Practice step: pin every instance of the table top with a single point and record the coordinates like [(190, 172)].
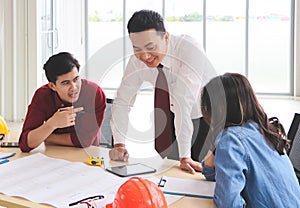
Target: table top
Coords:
[(169, 168)]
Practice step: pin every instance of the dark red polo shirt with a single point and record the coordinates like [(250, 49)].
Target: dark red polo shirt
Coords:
[(46, 102)]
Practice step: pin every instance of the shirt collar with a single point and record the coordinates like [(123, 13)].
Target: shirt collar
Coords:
[(166, 62), (167, 59), (59, 103)]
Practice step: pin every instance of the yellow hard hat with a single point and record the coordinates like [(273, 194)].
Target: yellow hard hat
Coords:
[(3, 127)]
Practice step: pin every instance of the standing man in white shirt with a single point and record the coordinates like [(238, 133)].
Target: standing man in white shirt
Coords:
[(187, 70)]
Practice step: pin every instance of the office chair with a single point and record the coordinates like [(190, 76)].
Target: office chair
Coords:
[(294, 137), (106, 138), (200, 142)]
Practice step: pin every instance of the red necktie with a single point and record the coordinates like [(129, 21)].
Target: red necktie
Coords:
[(162, 115)]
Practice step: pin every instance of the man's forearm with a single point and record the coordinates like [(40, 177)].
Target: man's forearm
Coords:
[(37, 136), (61, 139)]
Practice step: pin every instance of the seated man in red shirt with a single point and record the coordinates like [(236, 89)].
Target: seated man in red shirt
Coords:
[(66, 111)]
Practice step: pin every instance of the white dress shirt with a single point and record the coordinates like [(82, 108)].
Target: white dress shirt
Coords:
[(187, 70)]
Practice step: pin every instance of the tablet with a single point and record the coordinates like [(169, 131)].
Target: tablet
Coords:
[(131, 169), (9, 144)]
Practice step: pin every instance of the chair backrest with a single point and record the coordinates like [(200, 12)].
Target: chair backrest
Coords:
[(294, 128), (294, 136), (106, 138)]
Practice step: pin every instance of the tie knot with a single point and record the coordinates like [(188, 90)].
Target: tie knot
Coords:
[(160, 66)]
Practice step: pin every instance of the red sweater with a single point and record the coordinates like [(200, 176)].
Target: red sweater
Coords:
[(46, 102)]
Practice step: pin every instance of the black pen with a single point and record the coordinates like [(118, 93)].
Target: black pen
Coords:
[(91, 197), (79, 112)]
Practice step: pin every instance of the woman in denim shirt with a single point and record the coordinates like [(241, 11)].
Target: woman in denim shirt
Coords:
[(250, 164)]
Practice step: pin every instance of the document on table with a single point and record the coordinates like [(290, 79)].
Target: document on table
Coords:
[(187, 187), (57, 182)]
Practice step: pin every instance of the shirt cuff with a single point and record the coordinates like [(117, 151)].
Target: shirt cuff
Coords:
[(184, 150), (118, 138), (208, 172)]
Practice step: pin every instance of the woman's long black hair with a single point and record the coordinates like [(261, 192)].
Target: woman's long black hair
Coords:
[(229, 100)]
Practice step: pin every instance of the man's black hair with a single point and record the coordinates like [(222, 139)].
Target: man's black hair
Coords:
[(59, 64), (144, 20)]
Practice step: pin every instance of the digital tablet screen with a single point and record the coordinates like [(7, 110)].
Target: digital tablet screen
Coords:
[(131, 169)]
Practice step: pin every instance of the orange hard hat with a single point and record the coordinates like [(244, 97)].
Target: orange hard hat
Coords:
[(139, 193)]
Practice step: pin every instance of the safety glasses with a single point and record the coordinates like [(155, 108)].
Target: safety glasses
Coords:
[(89, 201)]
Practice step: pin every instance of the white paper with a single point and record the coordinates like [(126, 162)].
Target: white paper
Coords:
[(169, 198), (57, 182), (188, 187)]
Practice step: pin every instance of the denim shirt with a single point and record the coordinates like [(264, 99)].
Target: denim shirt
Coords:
[(250, 173)]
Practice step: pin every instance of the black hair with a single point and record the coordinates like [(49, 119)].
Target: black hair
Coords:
[(144, 20), (229, 100), (59, 64)]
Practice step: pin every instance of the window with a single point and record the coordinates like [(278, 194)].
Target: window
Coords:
[(48, 33), (185, 17), (62, 29), (109, 47), (270, 51), (226, 35), (105, 37), (249, 37)]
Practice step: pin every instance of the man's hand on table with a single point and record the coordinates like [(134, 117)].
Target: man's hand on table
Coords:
[(118, 153), (190, 165)]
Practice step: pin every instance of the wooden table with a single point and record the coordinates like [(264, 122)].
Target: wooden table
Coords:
[(165, 167)]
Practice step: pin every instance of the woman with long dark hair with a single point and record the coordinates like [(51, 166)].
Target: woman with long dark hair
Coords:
[(248, 161)]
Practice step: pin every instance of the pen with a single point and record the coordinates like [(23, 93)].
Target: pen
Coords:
[(187, 194), (8, 155), (92, 198), (78, 112), (61, 110), (3, 161)]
